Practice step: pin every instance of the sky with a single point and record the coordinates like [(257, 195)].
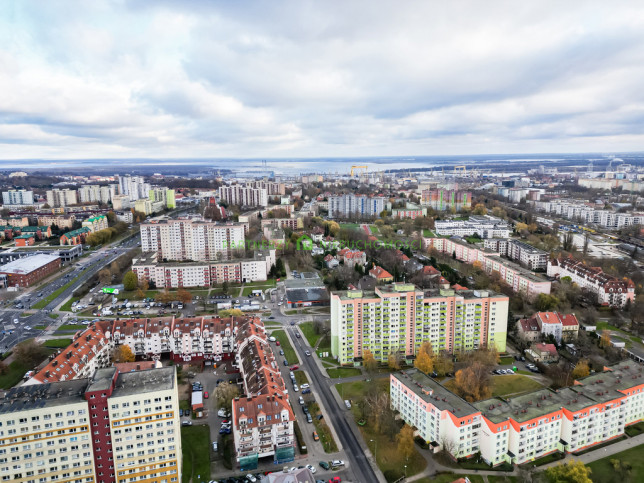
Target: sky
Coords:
[(235, 78)]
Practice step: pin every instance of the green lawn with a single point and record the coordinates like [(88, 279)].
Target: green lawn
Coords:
[(40, 327), (285, 345), (57, 343), (300, 377), (258, 286), (14, 375), (308, 329), (506, 360), (602, 325), (428, 233), (604, 472), (43, 303), (195, 445), (635, 429), (509, 384), (389, 460), (449, 477), (324, 433), (502, 479), (350, 226), (201, 292), (340, 372), (71, 327), (67, 306)]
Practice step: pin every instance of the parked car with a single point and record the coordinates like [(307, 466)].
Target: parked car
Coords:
[(306, 391), (337, 463), (324, 465), (311, 467), (308, 353), (295, 368), (215, 447), (186, 423), (347, 403), (315, 438), (180, 412), (305, 386), (301, 401)]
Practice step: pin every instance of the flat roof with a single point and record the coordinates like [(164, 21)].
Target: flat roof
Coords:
[(28, 264), (151, 380), (433, 392), (37, 396)]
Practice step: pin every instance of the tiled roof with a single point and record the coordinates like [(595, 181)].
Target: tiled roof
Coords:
[(380, 272)]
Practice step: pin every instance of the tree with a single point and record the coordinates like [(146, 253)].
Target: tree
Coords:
[(224, 287), (582, 369), (406, 441), (115, 268), (224, 395), (572, 472), (605, 339), (423, 362), (369, 361), (392, 361), (30, 353), (443, 363), (123, 353), (164, 297), (479, 209), (473, 382), (130, 281), (105, 276), (184, 296)]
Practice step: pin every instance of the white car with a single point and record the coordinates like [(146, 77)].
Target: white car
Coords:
[(272, 339), (295, 388), (337, 463), (305, 386), (251, 478), (311, 468)]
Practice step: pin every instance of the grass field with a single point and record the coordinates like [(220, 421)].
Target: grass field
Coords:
[(326, 438), (258, 286), (509, 384), (57, 343), (502, 479), (428, 233), (285, 345), (202, 292), (449, 477), (67, 306), (635, 429), (350, 226), (71, 327), (308, 329), (195, 443), (603, 470), (389, 459), (40, 327), (339, 372), (15, 372), (506, 360), (300, 377)]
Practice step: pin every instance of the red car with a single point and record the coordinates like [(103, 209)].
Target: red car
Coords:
[(335, 479), (295, 368), (205, 394), (277, 342)]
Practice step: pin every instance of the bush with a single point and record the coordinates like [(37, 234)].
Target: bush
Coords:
[(298, 436)]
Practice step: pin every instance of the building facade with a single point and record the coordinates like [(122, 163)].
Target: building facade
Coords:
[(134, 187), (190, 240), (527, 255), (61, 198), (24, 272), (243, 195), (518, 429), (609, 290), (109, 428), (517, 277), (350, 205), (441, 199), (398, 318), (485, 226), (17, 198)]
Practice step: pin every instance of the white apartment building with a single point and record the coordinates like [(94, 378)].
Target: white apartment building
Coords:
[(485, 226), (18, 198), (398, 318), (94, 193), (109, 428), (61, 198), (520, 279), (190, 240), (577, 211), (518, 429), (202, 274), (527, 255), (609, 290), (134, 187), (273, 188), (349, 205), (243, 195), (121, 202)]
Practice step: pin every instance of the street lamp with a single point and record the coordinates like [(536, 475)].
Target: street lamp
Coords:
[(376, 449), (405, 471)]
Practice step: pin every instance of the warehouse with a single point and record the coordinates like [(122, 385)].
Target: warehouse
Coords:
[(24, 272)]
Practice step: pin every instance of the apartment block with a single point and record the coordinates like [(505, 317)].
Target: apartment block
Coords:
[(516, 430), (520, 279), (96, 223), (410, 210), (350, 205), (291, 223), (610, 291), (484, 226), (95, 193), (62, 221), (263, 418), (272, 188), (110, 428), (527, 255), (588, 215), (398, 318), (121, 202), (243, 195), (61, 198), (195, 240), (17, 198), (441, 199), (164, 195), (202, 274), (134, 187)]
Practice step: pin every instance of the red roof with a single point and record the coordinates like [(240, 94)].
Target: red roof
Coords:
[(546, 348), (380, 273), (429, 270), (569, 320)]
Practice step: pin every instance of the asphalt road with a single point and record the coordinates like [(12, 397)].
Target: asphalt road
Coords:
[(10, 319), (358, 463)]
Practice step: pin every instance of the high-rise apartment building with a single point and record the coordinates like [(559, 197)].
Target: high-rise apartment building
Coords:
[(109, 428), (57, 198), (349, 205), (95, 194), (134, 186), (18, 198), (163, 194), (183, 239), (243, 195), (398, 318), (272, 188)]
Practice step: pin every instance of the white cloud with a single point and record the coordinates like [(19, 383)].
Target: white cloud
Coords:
[(196, 78)]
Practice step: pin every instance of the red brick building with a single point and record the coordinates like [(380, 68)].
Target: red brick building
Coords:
[(24, 272)]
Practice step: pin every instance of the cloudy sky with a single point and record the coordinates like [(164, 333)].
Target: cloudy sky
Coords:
[(190, 78)]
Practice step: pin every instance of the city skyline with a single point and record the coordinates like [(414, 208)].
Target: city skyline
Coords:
[(215, 79)]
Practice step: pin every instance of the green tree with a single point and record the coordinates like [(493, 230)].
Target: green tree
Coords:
[(130, 281), (572, 472)]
